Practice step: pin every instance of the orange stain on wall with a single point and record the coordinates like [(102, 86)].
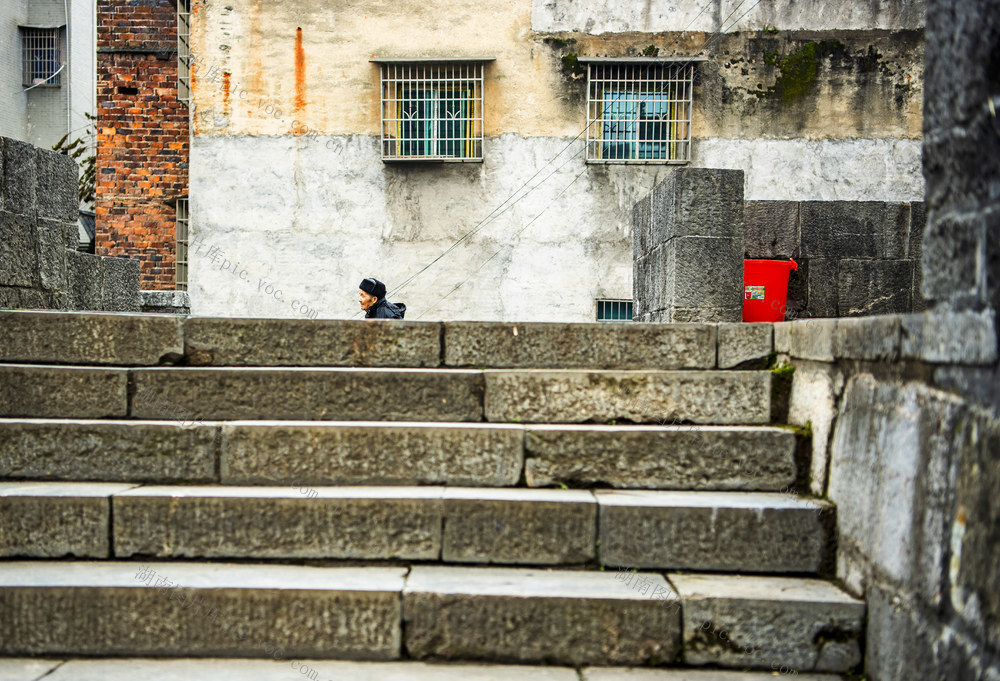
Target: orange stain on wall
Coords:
[(225, 92), (300, 73)]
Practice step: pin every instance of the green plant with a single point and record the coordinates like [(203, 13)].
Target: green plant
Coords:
[(75, 150)]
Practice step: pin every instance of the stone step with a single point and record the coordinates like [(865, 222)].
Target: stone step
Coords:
[(726, 531), (216, 669), (432, 613), (402, 453), (148, 340), (326, 394)]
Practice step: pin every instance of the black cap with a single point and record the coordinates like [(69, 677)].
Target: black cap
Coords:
[(373, 287)]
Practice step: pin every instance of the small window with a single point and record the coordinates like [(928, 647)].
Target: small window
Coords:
[(432, 111), (614, 310), (181, 252), (639, 112), (40, 47), (184, 51)]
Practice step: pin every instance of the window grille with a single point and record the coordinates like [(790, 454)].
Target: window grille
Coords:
[(41, 56), (181, 252), (432, 111), (614, 310), (184, 50), (639, 112)]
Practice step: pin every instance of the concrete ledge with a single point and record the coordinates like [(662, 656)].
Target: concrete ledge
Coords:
[(305, 342), (53, 519), (668, 457), (742, 343), (62, 392), (557, 617), (579, 346), (120, 451), (89, 338), (310, 394), (724, 531), (736, 621), (717, 397), (163, 609)]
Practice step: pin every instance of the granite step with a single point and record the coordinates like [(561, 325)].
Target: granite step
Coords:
[(90, 338), (216, 669), (726, 531), (501, 615), (312, 453), (330, 394)]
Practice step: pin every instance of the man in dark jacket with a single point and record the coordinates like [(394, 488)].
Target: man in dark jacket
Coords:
[(373, 302)]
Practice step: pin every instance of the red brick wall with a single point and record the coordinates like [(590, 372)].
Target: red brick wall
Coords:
[(142, 136)]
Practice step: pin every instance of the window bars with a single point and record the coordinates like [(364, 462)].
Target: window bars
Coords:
[(614, 310), (639, 112), (184, 51), (41, 56), (432, 111), (181, 252)]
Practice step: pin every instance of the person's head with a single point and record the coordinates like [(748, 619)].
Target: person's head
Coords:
[(370, 292)]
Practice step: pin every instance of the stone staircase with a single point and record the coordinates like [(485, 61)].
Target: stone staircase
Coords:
[(406, 500)]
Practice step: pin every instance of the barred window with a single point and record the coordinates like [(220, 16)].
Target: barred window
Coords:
[(40, 47), (639, 111), (181, 252), (610, 310), (432, 111), (184, 50)]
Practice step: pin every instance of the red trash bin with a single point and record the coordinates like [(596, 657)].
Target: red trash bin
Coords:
[(765, 289)]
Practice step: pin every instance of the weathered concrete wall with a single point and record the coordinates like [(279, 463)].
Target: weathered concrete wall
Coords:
[(40, 268), (806, 114)]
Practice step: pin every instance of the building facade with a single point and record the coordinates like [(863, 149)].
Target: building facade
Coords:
[(484, 160)]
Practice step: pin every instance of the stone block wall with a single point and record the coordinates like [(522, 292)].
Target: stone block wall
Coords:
[(40, 267), (142, 134), (855, 257)]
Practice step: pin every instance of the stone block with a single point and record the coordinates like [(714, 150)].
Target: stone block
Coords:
[(519, 526), (57, 186), (704, 202), (854, 229), (707, 274), (371, 454), (814, 339), (777, 623), (19, 177), (62, 392), (125, 451), (169, 302), (892, 476), (9, 298), (783, 337), (51, 254), (18, 256), (579, 346), (743, 343), (950, 256), (942, 336), (813, 402), (668, 457), (359, 523), (871, 287), (771, 230), (797, 299), (639, 396), (120, 292), (871, 338), (823, 280), (559, 617), (56, 519), (305, 342), (307, 393), (84, 280), (205, 610), (71, 234), (85, 338), (641, 227), (717, 531), (918, 223), (27, 669), (640, 674)]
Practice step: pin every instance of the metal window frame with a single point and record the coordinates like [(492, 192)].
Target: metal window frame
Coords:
[(182, 224), (666, 83), (613, 304), (439, 77), (184, 51), (31, 45)]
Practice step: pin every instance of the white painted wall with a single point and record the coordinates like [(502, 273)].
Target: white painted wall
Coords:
[(312, 217), (13, 102)]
